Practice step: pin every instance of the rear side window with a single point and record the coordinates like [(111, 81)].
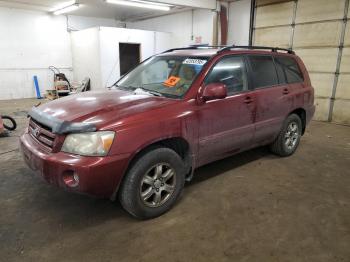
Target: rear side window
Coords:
[(291, 69), (280, 73), (231, 72), (263, 71)]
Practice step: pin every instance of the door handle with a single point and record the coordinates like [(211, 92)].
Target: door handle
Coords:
[(248, 100), (285, 91)]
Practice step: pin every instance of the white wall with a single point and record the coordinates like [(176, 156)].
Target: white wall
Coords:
[(239, 20), (86, 57), (31, 41), (109, 44), (180, 25), (96, 51)]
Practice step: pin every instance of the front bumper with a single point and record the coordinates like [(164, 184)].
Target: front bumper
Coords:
[(98, 176)]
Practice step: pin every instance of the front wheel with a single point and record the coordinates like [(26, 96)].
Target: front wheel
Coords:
[(153, 183), (289, 137)]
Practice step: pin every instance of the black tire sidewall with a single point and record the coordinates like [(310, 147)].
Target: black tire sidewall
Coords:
[(14, 124), (130, 191)]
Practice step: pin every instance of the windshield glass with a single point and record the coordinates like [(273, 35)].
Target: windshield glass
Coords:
[(169, 76)]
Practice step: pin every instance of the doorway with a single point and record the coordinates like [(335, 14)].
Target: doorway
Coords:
[(129, 56)]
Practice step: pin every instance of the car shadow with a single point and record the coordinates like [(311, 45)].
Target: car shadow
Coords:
[(230, 163)]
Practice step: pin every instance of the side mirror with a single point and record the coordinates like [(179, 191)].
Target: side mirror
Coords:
[(214, 91)]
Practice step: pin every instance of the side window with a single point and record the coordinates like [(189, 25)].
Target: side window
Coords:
[(280, 73), (231, 72), (263, 71), (291, 69)]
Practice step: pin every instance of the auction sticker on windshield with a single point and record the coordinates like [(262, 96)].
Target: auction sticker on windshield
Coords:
[(193, 61), (172, 81)]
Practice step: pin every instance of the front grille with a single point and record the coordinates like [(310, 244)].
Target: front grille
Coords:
[(41, 134)]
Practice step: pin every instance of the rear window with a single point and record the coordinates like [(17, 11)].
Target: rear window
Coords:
[(263, 71), (290, 69)]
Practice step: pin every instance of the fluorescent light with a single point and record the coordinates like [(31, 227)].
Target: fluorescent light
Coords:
[(67, 9), (142, 4)]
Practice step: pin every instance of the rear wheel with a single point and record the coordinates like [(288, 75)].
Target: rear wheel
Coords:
[(153, 183), (289, 137)]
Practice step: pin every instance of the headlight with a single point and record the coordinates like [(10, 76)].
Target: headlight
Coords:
[(89, 144)]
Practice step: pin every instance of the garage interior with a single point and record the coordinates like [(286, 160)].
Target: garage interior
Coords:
[(253, 206)]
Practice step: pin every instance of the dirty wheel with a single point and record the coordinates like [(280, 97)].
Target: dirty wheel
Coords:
[(289, 137)]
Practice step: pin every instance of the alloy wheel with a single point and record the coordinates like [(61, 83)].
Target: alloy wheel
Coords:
[(292, 135), (157, 185)]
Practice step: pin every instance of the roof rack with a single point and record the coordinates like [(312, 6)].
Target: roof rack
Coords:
[(226, 48), (273, 49), (193, 47)]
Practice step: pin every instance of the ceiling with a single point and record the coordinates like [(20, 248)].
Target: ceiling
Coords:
[(92, 8)]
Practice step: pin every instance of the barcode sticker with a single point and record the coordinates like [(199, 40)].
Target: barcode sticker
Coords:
[(192, 61)]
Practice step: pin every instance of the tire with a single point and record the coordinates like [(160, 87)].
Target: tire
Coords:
[(13, 125), (153, 183), (282, 146)]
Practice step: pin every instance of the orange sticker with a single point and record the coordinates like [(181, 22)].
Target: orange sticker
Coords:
[(172, 81)]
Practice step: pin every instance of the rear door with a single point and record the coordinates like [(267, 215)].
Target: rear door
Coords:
[(273, 100), (289, 72), (227, 125)]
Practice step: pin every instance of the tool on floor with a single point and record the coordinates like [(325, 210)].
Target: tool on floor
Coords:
[(62, 86)]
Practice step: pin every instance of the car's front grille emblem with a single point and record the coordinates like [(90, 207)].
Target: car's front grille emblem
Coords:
[(36, 132)]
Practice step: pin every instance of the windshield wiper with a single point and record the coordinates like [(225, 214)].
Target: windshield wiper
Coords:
[(155, 93), (133, 88)]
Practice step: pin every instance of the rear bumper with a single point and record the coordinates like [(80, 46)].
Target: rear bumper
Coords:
[(310, 113), (98, 176)]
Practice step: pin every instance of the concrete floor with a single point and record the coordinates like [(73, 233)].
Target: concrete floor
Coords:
[(250, 207)]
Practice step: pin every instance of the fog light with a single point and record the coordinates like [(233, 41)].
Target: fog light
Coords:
[(71, 178)]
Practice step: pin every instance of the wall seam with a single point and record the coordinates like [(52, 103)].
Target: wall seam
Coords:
[(291, 43), (340, 53)]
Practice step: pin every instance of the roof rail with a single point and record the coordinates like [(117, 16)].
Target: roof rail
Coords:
[(273, 49), (226, 48), (193, 47)]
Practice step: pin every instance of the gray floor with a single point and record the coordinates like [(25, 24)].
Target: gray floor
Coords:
[(250, 207)]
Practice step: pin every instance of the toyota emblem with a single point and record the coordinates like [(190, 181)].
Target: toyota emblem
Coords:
[(36, 132)]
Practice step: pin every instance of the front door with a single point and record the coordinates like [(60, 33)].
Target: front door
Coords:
[(226, 126)]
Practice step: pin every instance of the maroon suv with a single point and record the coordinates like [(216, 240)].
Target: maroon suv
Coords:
[(141, 140)]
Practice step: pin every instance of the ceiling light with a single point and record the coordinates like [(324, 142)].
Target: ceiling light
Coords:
[(66, 9), (142, 4)]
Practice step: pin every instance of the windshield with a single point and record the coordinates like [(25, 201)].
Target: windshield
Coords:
[(169, 76)]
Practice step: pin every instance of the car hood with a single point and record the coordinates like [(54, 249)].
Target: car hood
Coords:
[(100, 108)]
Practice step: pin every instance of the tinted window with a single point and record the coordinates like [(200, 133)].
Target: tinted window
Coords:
[(280, 73), (263, 71), (230, 71), (291, 69)]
